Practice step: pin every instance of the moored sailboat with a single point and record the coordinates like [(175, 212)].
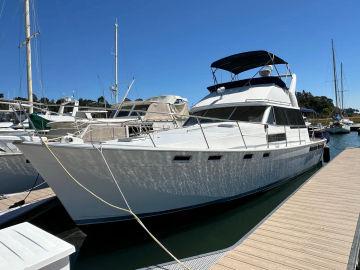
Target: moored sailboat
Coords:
[(338, 126)]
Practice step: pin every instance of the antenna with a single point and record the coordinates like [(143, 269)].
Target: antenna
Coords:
[(334, 71)]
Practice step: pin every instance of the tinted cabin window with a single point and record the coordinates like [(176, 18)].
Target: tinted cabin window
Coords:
[(221, 113), (243, 113), (271, 117), (192, 120), (280, 116), (249, 113), (295, 118), (288, 117)]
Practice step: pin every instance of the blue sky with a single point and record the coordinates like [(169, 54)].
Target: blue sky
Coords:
[(168, 46)]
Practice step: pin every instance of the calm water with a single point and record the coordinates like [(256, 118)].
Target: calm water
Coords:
[(126, 247)]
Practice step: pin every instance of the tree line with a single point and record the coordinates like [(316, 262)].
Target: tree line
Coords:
[(322, 105)]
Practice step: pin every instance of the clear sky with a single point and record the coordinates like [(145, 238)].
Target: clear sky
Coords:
[(168, 46)]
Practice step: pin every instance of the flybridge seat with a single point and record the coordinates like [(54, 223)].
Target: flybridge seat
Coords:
[(249, 82)]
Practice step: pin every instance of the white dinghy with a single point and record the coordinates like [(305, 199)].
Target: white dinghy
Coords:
[(244, 137)]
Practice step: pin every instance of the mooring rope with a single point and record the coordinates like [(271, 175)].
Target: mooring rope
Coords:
[(112, 205)]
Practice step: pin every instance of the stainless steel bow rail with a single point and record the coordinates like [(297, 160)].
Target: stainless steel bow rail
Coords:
[(83, 128)]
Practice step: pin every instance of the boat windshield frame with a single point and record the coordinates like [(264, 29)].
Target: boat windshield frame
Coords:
[(232, 111)]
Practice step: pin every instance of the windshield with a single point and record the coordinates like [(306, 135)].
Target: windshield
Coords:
[(124, 111), (253, 114), (141, 110)]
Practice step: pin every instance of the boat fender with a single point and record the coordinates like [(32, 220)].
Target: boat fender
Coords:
[(71, 139), (326, 154)]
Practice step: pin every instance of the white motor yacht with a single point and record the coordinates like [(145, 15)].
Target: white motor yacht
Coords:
[(245, 136)]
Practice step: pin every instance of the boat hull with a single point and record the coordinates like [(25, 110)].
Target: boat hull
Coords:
[(154, 183), (339, 129), (17, 174)]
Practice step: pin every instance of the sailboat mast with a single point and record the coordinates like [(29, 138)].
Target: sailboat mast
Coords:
[(342, 86), (28, 54), (116, 86), (334, 70)]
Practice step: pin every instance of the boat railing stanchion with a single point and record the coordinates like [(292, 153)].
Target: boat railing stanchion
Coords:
[(242, 136), (202, 131), (146, 130), (286, 140), (299, 135), (267, 134)]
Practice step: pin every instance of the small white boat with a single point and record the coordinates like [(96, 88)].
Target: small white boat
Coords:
[(40, 120), (338, 127), (17, 173), (127, 119), (244, 137)]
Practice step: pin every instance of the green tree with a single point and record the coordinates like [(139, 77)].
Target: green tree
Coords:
[(322, 105)]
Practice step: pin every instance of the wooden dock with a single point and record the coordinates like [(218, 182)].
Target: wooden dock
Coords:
[(8, 209), (317, 227)]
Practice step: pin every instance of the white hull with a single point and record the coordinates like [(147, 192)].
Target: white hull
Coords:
[(339, 129), (16, 173), (154, 183)]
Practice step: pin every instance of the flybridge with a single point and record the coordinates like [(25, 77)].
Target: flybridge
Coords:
[(241, 62)]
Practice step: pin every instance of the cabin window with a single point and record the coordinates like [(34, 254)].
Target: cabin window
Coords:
[(182, 158), (248, 156), (276, 137), (295, 117), (280, 116), (179, 101), (143, 108), (271, 117), (192, 120), (124, 111), (249, 113), (221, 113), (216, 157), (288, 117), (242, 113)]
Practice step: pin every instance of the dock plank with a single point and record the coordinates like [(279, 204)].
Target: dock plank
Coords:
[(34, 196), (314, 229)]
